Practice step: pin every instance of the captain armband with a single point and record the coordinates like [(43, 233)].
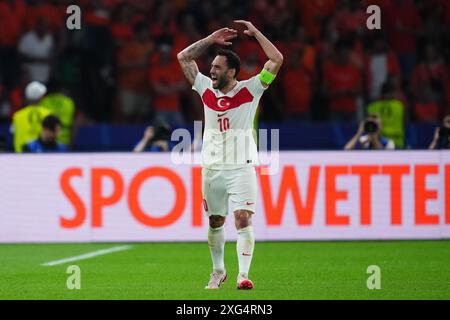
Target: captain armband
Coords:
[(266, 77)]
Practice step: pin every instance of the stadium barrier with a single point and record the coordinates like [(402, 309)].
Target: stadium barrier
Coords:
[(144, 197)]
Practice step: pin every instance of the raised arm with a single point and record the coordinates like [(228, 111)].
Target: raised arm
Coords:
[(187, 56), (275, 61)]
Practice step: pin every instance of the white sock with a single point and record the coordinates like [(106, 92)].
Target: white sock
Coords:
[(216, 242), (245, 246)]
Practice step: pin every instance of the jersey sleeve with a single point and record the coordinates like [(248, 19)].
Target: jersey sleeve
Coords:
[(201, 83), (255, 86)]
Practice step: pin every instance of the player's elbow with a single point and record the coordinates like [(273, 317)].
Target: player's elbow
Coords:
[(279, 59), (180, 56)]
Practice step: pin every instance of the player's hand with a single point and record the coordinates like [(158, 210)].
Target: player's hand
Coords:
[(360, 128), (251, 29), (149, 133), (223, 36)]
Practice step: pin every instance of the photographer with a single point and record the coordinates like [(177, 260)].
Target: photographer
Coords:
[(441, 138), (155, 139), (48, 137), (368, 136)]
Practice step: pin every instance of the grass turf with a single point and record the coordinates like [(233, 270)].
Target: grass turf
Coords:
[(280, 270)]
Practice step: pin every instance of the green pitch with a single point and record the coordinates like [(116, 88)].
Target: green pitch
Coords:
[(280, 270)]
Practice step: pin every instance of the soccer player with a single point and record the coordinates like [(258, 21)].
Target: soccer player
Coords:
[(229, 151)]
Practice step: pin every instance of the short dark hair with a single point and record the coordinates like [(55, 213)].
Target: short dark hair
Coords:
[(233, 60), (51, 122)]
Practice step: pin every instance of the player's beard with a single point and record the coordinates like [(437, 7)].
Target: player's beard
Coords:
[(221, 82)]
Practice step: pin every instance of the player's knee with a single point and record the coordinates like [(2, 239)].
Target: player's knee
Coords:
[(243, 218), (216, 221)]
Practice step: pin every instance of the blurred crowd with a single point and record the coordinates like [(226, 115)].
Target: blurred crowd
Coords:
[(121, 67)]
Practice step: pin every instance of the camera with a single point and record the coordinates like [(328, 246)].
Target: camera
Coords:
[(162, 132), (3, 144), (370, 126), (444, 132)]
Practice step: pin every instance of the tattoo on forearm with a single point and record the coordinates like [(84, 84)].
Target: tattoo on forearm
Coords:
[(189, 54), (190, 70), (196, 49)]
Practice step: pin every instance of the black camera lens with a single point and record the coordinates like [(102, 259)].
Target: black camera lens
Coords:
[(370, 127), (444, 131)]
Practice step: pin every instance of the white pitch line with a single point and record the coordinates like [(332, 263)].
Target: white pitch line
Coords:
[(86, 256)]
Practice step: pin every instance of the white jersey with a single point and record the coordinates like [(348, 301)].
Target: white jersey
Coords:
[(228, 140)]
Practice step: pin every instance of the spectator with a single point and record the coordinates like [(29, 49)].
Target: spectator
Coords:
[(47, 140), (186, 33), (60, 104), (36, 51), (380, 64), (441, 139), (154, 139), (167, 83), (308, 52), (392, 114), (121, 29), (350, 18), (250, 66), (314, 13), (404, 23), (133, 63), (27, 122), (368, 136), (426, 107), (297, 87), (399, 94), (42, 8), (342, 85), (12, 13), (431, 73), (97, 57)]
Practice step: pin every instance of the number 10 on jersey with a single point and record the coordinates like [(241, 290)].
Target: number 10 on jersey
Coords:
[(224, 124)]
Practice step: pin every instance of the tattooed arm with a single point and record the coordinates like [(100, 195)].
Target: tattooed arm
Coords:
[(187, 56)]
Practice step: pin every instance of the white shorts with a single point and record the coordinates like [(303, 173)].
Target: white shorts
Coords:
[(237, 185)]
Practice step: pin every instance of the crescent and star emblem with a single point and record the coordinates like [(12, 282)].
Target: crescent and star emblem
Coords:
[(223, 103)]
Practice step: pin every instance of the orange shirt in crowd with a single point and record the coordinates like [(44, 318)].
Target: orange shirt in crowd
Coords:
[(342, 78), (308, 58), (426, 74), (349, 22), (427, 111), (312, 11), (180, 41), (135, 79), (297, 85), (11, 21), (405, 16), (168, 74)]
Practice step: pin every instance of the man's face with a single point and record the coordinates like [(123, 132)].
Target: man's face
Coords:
[(220, 73), (50, 136)]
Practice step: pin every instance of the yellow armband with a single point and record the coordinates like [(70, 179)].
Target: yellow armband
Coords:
[(266, 77)]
